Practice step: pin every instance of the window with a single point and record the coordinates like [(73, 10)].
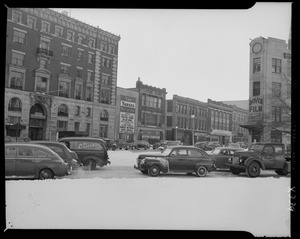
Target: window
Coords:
[(65, 69), (19, 36), (276, 113), (89, 76), (44, 44), (256, 88), (78, 91), (77, 126), (150, 119), (278, 149), (80, 55), (58, 31), (151, 101), (70, 35), (77, 110), (103, 130), (104, 115), (194, 153), (104, 96), (103, 46), (17, 17), (10, 152), (57, 150), (276, 89), (16, 80), (92, 42), (80, 39), (41, 84), (62, 125), (179, 152), (106, 62), (256, 64), (268, 149), (17, 59), (15, 104), (41, 153), (89, 91), (79, 73), (25, 152), (90, 58), (276, 136), (111, 49), (63, 110), (66, 51), (31, 22), (276, 65), (88, 112), (288, 68), (105, 80), (88, 128), (64, 88), (45, 27)]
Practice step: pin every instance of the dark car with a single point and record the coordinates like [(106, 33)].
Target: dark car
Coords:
[(175, 159), (27, 160), (69, 156), (120, 144), (91, 151), (220, 156), (139, 144)]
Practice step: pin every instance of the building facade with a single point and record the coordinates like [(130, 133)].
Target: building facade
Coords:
[(151, 112), (127, 114), (220, 121), (239, 117), (186, 120), (270, 91), (60, 75)]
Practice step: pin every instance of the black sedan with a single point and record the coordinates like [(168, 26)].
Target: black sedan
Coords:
[(220, 156), (69, 156)]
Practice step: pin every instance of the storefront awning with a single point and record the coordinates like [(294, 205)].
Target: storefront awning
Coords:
[(252, 126), (16, 126)]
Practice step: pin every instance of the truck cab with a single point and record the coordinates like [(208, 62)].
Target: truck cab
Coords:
[(266, 156)]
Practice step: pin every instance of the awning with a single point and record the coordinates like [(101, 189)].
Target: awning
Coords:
[(252, 126), (16, 126)]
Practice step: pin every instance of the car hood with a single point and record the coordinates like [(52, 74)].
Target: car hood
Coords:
[(151, 154), (245, 153)]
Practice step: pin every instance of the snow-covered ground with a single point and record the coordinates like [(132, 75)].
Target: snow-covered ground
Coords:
[(260, 206)]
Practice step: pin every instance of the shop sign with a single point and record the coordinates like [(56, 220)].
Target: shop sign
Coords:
[(255, 105), (126, 123)]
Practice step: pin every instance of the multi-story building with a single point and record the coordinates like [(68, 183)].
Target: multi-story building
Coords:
[(186, 120), (127, 114), (270, 91), (60, 75), (220, 121), (151, 112), (239, 117)]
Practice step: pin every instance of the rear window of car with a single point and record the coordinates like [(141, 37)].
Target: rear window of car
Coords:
[(56, 149), (25, 152), (85, 145), (42, 153)]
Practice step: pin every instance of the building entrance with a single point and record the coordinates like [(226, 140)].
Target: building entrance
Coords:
[(37, 123)]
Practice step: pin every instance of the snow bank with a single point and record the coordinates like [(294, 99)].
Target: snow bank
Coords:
[(259, 206)]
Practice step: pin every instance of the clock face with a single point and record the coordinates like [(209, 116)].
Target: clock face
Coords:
[(256, 48)]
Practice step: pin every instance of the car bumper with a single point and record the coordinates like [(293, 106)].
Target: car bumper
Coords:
[(235, 166)]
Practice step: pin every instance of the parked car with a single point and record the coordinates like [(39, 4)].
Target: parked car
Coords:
[(265, 156), (26, 160), (109, 143), (220, 156), (69, 156), (175, 159), (202, 145), (120, 144), (91, 151)]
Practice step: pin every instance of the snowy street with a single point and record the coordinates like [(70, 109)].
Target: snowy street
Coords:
[(126, 199)]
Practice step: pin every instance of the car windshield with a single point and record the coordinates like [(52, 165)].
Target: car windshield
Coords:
[(215, 151), (256, 147), (166, 151)]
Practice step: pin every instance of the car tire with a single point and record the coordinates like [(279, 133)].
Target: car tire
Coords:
[(253, 170), (154, 171), (201, 171), (90, 164), (235, 171), (46, 173)]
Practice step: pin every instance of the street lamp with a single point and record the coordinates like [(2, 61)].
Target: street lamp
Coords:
[(176, 132), (193, 117)]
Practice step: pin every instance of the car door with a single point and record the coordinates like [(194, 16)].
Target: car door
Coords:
[(177, 160), (268, 156), (10, 160), (223, 157), (194, 157), (25, 163)]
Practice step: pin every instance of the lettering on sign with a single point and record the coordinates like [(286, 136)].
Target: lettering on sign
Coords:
[(127, 104), (256, 105)]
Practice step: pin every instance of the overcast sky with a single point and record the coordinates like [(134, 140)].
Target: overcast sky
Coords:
[(198, 54)]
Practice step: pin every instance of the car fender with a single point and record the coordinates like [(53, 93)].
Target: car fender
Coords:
[(208, 165), (161, 162), (96, 159), (249, 160)]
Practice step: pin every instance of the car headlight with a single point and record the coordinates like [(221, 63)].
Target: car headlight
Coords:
[(230, 160), (240, 160), (142, 161)]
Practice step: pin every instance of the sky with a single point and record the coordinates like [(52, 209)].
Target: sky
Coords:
[(196, 53)]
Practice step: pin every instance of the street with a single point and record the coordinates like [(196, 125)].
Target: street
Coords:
[(122, 162)]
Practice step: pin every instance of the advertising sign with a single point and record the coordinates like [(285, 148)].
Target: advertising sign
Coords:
[(127, 114)]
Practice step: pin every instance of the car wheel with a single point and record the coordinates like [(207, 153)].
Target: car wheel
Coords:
[(235, 171), (154, 170), (91, 164), (201, 171), (46, 173), (253, 170)]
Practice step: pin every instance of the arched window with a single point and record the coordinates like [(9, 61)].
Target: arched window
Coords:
[(37, 108), (104, 115), (63, 110), (15, 104)]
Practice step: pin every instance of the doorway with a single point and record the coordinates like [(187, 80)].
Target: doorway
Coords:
[(37, 123)]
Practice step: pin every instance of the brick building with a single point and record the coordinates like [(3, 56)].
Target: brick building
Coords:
[(60, 75), (186, 119), (151, 112)]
